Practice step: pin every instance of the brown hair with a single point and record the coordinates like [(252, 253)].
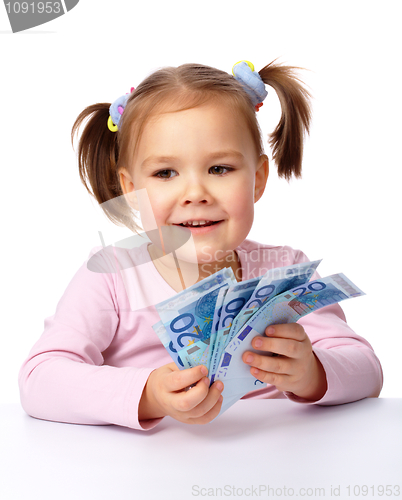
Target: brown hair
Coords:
[(101, 153)]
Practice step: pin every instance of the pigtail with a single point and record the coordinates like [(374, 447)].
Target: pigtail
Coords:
[(98, 155), (287, 139)]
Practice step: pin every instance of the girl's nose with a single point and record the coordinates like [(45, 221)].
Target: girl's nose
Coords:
[(196, 192)]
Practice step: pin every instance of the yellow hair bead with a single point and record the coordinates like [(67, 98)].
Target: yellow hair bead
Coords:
[(111, 126), (250, 65)]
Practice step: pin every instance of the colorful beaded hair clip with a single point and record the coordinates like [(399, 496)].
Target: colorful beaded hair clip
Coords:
[(116, 110)]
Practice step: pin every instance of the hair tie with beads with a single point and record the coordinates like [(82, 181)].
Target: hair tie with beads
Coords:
[(116, 110), (250, 80)]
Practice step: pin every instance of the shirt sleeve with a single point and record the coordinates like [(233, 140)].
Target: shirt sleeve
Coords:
[(352, 369), (64, 378)]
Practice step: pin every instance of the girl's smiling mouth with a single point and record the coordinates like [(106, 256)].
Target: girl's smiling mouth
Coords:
[(197, 228)]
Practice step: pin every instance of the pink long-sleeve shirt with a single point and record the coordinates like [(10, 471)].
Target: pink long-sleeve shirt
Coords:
[(91, 363)]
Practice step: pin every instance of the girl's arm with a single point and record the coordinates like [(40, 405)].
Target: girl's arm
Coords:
[(64, 377)]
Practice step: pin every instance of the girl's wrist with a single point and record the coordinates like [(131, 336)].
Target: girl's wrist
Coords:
[(149, 408), (317, 386)]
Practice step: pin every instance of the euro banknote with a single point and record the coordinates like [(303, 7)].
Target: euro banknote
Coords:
[(160, 330), (198, 352), (187, 317)]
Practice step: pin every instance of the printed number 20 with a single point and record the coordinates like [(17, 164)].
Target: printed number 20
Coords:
[(313, 287)]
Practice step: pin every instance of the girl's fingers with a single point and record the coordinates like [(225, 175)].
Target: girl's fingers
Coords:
[(279, 380), (282, 347), (209, 415), (178, 380), (185, 401), (286, 331), (288, 340), (276, 364), (209, 408), (199, 400)]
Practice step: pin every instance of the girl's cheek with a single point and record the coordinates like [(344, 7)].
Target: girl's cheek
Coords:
[(160, 208)]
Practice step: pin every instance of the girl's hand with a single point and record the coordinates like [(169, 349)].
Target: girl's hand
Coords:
[(164, 394), (296, 369)]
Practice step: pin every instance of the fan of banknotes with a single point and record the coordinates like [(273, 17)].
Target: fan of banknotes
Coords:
[(214, 321)]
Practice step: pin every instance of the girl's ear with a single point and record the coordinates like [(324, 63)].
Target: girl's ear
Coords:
[(261, 177), (127, 186)]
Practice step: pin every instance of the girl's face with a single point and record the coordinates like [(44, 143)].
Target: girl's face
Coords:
[(200, 165)]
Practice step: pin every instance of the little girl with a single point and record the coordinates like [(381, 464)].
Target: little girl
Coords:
[(188, 138)]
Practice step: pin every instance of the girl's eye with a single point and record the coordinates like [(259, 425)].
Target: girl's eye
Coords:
[(220, 167), (162, 174)]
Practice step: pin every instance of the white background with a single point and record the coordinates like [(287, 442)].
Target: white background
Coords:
[(346, 209)]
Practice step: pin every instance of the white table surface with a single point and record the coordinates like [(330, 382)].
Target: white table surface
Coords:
[(257, 449)]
